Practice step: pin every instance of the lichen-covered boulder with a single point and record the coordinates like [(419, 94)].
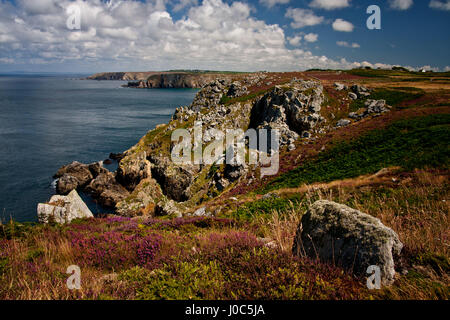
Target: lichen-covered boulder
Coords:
[(167, 207), (340, 235), (142, 200), (133, 168), (174, 179), (63, 209)]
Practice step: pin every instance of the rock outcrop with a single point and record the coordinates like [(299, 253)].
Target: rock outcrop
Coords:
[(371, 108), (106, 190), (132, 169), (165, 208), (147, 181), (337, 234), (340, 87), (72, 176), (294, 111), (176, 80), (63, 209), (360, 91), (142, 200), (174, 179)]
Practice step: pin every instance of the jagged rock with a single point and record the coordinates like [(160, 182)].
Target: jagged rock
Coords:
[(77, 170), (268, 243), (132, 169), (292, 111), (306, 134), (376, 106), (338, 234), (201, 213), (353, 115), (165, 208), (66, 183), (233, 172), (174, 179), (116, 156), (352, 96), (221, 184), (63, 209), (107, 190), (339, 86), (360, 91), (373, 108), (142, 200), (236, 90), (96, 168), (343, 123), (270, 195)]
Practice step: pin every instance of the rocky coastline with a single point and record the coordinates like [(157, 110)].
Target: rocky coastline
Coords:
[(360, 180), (166, 79), (147, 182)]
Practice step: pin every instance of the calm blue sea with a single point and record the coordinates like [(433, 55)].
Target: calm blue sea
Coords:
[(49, 121)]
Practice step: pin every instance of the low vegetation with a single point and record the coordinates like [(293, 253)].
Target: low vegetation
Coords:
[(411, 143)]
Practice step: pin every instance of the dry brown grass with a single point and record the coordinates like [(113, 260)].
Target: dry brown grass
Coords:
[(282, 228), (416, 206), (53, 257), (417, 209)]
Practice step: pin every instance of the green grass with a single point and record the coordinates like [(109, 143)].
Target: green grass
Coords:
[(382, 73), (413, 143), (265, 207)]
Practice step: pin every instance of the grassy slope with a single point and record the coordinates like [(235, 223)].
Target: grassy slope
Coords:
[(411, 143)]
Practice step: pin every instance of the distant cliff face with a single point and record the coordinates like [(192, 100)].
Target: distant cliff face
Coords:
[(127, 76), (177, 80), (161, 79)]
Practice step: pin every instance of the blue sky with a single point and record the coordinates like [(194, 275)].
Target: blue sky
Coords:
[(274, 35)]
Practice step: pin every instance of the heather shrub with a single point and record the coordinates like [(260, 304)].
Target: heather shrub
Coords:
[(182, 280), (114, 250), (188, 224), (252, 273), (147, 248)]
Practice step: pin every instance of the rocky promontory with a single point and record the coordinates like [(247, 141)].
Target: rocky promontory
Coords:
[(163, 79), (148, 182)]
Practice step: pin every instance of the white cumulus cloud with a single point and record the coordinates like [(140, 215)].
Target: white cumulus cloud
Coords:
[(329, 4), (401, 4), (347, 44), (183, 4), (342, 25), (295, 40), (121, 35), (311, 37), (271, 3), (303, 18), (440, 5)]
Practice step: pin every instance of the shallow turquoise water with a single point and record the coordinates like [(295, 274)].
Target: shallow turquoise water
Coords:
[(49, 121)]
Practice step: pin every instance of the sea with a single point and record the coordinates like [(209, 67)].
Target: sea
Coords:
[(50, 120)]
